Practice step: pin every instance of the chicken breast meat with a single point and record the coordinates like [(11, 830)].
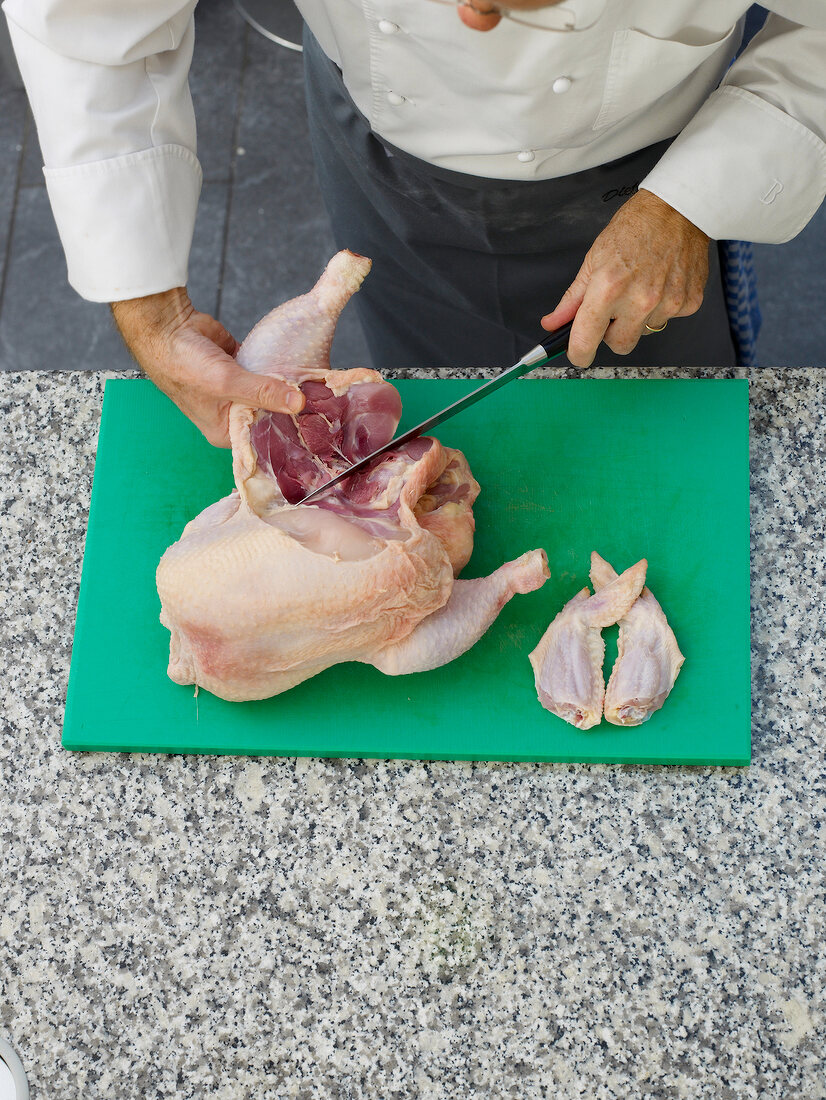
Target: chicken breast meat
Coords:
[(261, 593)]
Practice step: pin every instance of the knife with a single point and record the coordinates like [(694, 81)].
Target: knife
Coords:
[(556, 344)]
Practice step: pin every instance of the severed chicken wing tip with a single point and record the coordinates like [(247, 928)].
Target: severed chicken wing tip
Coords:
[(568, 660)]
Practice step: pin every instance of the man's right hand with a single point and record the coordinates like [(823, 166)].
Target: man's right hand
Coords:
[(190, 356)]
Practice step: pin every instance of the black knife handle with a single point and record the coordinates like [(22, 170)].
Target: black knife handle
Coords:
[(557, 341)]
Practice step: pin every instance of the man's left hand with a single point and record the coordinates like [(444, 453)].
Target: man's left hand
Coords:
[(648, 265)]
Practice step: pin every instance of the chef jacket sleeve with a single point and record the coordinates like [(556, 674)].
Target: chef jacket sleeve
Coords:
[(108, 87), (751, 164)]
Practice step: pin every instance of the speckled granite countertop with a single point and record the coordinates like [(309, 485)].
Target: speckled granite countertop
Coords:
[(189, 926)]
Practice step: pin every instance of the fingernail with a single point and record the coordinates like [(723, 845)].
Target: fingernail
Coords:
[(295, 402)]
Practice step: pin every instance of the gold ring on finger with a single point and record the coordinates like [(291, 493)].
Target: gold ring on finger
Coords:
[(650, 329)]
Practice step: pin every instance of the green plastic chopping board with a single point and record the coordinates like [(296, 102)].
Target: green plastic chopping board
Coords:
[(655, 469)]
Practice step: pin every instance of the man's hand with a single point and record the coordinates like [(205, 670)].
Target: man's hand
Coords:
[(648, 265), (189, 355)]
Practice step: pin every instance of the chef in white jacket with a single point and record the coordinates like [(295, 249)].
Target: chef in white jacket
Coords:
[(497, 116)]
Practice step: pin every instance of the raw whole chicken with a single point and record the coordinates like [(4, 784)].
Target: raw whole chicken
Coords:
[(260, 593)]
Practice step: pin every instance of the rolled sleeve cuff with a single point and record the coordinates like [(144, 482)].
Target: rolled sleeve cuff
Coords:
[(126, 223), (743, 170)]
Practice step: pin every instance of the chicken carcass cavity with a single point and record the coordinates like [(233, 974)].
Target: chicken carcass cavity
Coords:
[(261, 592)]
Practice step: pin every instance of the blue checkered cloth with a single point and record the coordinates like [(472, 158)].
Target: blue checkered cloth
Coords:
[(740, 289)]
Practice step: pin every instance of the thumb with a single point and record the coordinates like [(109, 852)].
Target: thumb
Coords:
[(568, 304), (262, 391)]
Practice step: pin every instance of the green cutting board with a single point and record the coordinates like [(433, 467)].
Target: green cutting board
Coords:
[(655, 469)]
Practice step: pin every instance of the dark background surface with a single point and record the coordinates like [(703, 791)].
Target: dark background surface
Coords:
[(262, 234)]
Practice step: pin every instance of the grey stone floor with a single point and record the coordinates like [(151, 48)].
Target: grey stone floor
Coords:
[(262, 233)]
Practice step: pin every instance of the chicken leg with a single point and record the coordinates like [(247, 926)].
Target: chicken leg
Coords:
[(470, 611)]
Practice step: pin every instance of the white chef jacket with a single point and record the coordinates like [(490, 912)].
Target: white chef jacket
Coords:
[(107, 82)]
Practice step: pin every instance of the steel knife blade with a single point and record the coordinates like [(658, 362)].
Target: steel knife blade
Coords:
[(555, 345)]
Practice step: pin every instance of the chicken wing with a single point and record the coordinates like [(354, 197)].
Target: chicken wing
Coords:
[(648, 657), (567, 663)]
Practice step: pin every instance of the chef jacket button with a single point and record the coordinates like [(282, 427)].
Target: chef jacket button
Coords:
[(526, 156), (394, 99), (561, 84), (386, 27)]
